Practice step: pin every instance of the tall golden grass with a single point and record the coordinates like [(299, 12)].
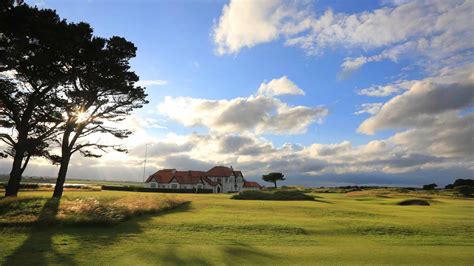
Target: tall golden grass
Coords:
[(82, 210)]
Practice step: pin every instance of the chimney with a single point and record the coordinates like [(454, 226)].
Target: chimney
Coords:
[(173, 171)]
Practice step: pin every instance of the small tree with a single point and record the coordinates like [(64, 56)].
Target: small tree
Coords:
[(273, 178), (430, 186)]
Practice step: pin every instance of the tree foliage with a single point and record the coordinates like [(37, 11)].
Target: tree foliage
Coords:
[(273, 178), (33, 65), (429, 186), (101, 93), (60, 85)]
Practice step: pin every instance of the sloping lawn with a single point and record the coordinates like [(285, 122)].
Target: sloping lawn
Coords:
[(215, 230)]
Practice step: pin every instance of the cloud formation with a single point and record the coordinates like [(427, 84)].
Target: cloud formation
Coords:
[(279, 86), (369, 108), (421, 105), (438, 31), (262, 113), (248, 23)]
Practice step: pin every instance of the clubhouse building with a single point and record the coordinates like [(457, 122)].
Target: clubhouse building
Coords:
[(220, 179)]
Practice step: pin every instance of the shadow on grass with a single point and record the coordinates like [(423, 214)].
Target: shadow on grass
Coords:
[(51, 243), (174, 256), (322, 201), (40, 241), (244, 254)]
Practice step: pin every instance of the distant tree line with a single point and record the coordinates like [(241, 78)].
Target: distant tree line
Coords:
[(60, 86), (464, 187)]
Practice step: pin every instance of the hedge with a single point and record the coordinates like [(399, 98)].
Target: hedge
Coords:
[(277, 195), (163, 190), (27, 185)]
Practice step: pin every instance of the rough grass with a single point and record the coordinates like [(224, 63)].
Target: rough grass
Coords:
[(80, 210), (273, 195)]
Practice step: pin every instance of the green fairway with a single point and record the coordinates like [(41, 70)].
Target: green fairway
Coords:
[(354, 228)]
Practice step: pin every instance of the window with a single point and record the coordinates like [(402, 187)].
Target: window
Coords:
[(199, 186), (175, 186), (153, 185), (226, 180)]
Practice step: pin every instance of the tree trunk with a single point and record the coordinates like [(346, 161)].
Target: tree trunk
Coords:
[(58, 189), (15, 174), (275, 182)]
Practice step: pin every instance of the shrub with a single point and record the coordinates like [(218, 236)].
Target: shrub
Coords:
[(276, 195), (24, 185), (465, 191), (430, 186), (163, 190)]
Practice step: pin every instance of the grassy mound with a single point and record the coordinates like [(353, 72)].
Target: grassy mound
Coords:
[(80, 211), (414, 202), (273, 195)]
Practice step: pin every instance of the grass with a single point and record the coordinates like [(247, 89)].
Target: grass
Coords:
[(80, 210), (273, 195), (346, 229)]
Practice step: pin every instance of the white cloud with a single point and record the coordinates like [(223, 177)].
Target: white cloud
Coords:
[(420, 105), (151, 82), (248, 23), (352, 64), (445, 75), (386, 90), (262, 113), (439, 31), (279, 86), (450, 135), (369, 108)]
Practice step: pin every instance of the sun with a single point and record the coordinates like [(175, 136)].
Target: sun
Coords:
[(81, 117)]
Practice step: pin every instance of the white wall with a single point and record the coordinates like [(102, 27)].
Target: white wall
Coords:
[(227, 185)]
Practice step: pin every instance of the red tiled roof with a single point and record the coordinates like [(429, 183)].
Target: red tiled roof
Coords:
[(252, 184), (182, 177), (220, 171), (193, 177)]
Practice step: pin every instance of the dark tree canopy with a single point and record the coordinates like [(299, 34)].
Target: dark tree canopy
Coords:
[(102, 91), (429, 186), (461, 182), (273, 178), (59, 85), (34, 64)]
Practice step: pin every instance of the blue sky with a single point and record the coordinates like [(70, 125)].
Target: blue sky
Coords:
[(203, 51), (175, 44)]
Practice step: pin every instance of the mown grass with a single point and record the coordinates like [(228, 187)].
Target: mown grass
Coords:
[(346, 229)]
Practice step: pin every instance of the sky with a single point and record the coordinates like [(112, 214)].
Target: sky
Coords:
[(327, 92)]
